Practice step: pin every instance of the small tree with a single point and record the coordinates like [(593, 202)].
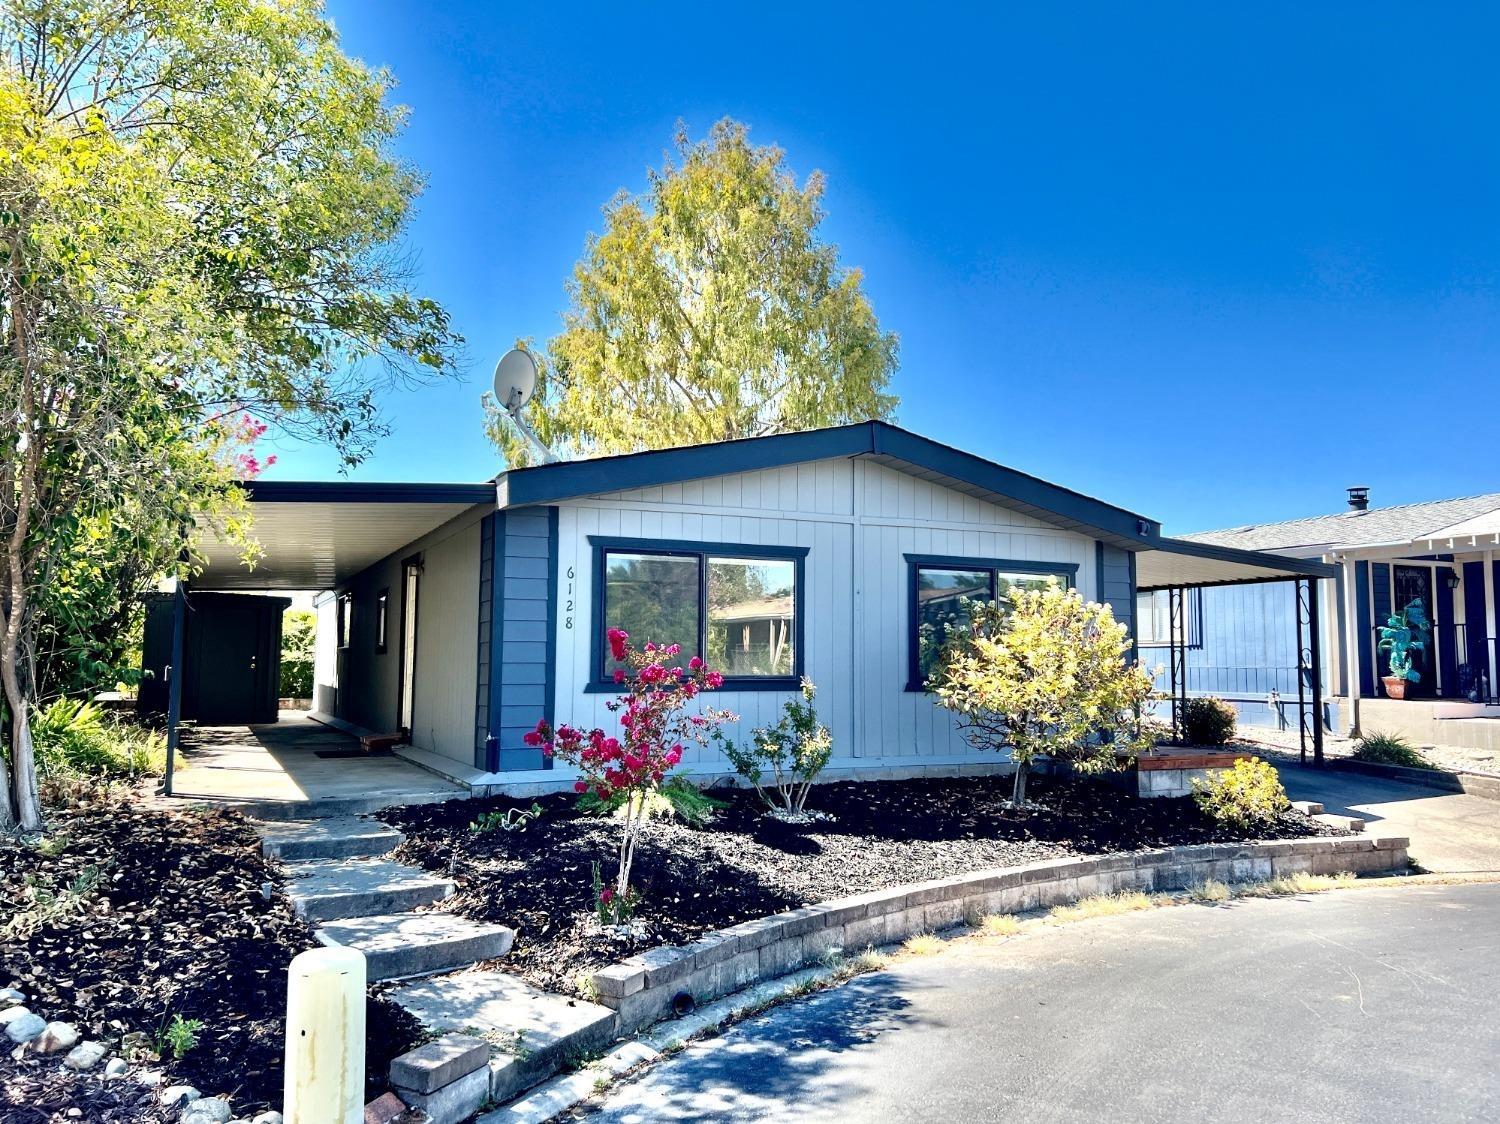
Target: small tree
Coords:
[(795, 750), (1044, 676), (631, 768)]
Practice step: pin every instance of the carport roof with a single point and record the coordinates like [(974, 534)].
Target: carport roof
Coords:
[(1166, 562), (316, 534)]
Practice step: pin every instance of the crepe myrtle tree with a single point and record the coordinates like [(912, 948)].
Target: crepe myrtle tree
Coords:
[(1045, 675), (626, 770)]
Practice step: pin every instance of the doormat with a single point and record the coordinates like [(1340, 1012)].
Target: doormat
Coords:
[(352, 753)]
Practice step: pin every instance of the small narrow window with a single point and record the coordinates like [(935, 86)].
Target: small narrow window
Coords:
[(382, 605), (1153, 618), (346, 618)]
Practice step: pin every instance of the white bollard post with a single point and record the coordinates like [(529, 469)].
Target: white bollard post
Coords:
[(325, 1037)]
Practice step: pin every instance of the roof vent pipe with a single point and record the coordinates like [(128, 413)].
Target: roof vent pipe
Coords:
[(1359, 498)]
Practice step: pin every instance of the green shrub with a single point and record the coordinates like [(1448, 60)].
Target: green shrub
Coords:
[(299, 630), (1208, 721), (75, 737), (794, 751), (1243, 796), (1389, 749)]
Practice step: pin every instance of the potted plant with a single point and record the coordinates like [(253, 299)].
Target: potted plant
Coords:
[(1402, 634)]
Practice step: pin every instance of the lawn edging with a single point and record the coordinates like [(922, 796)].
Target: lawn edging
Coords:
[(642, 989), (1485, 785)]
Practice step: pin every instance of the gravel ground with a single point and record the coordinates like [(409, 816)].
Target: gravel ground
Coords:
[(745, 865)]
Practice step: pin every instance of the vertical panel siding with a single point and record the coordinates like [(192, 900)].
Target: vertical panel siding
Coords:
[(525, 604), (857, 519), (447, 646)]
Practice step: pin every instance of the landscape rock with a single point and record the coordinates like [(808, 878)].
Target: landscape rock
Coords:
[(267, 1118), (207, 1110), (9, 997), (26, 1027), (179, 1094), (56, 1037), (149, 1078), (11, 1014), (86, 1055), (115, 1067)]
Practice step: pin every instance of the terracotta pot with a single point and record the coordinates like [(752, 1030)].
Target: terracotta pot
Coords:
[(1395, 686)]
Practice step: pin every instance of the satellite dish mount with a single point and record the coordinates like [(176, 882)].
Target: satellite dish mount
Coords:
[(515, 382)]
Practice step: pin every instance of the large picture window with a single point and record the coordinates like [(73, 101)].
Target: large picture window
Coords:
[(739, 607), (941, 591)]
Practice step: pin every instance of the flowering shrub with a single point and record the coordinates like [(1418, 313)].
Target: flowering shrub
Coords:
[(795, 750), (1243, 797), (628, 769)]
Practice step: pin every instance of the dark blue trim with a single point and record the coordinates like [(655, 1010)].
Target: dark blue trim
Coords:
[(351, 491), (601, 545), (1135, 624), (914, 562), (497, 640), (552, 483), (551, 672), (1099, 571)]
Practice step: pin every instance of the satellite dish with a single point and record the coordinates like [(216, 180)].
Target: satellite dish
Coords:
[(515, 379)]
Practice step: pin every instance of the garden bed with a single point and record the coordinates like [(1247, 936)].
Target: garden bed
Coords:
[(167, 919), (745, 865)]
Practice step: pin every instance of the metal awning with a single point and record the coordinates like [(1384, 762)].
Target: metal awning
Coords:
[(1179, 562), (315, 535)]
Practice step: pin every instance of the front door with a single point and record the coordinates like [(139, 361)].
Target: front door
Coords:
[(1408, 584), (229, 674)]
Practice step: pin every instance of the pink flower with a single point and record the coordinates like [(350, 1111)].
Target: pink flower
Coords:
[(673, 755), (580, 786), (606, 895), (619, 675), (532, 738), (695, 663), (714, 680), (617, 638)]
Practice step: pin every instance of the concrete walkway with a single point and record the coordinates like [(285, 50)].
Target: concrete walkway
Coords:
[(296, 760), (1450, 832), (1367, 1004)]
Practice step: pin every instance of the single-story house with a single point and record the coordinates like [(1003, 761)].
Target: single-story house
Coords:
[(460, 614), (1442, 555)]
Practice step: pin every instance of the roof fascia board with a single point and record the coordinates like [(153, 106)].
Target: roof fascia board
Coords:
[(553, 483), (1305, 567), (351, 491)]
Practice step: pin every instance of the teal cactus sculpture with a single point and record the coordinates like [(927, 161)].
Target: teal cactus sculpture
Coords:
[(1402, 634)]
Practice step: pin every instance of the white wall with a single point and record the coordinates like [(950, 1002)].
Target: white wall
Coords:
[(858, 519)]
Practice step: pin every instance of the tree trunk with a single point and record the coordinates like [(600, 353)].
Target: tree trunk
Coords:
[(28, 804), (7, 803), (1018, 793)]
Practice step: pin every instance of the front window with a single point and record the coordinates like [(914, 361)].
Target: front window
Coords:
[(1153, 617), (346, 619), (944, 589), (737, 607)]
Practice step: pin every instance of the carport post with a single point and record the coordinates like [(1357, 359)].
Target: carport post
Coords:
[(174, 680), (1315, 645)]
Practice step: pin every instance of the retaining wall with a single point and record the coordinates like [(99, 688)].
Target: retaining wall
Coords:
[(642, 988)]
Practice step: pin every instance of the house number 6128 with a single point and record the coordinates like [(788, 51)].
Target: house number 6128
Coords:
[(568, 601)]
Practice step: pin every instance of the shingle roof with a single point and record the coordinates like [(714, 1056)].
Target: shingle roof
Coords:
[(1399, 523)]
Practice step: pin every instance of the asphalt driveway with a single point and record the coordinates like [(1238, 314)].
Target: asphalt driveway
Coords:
[(1378, 1004), (1450, 832)]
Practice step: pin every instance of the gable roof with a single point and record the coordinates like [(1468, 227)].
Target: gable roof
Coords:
[(1400, 523), (880, 441)]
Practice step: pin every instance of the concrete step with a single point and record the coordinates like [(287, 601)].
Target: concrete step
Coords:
[(1343, 823), (397, 945), (329, 807), (345, 837), (532, 1033), (330, 889)]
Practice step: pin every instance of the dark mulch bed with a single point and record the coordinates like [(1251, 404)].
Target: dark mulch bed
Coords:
[(746, 865), (175, 924)]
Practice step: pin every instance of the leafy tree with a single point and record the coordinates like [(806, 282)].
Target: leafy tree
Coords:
[(709, 309), (197, 209), (1045, 676), (299, 640)]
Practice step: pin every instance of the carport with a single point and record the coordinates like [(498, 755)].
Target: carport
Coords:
[(1175, 566), (311, 536)]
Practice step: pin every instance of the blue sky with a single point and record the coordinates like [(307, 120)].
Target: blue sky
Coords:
[(1210, 263)]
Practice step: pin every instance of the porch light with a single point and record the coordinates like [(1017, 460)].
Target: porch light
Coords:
[(1451, 577)]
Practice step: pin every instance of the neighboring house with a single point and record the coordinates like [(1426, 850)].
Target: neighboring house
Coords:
[(1443, 554), (463, 613)]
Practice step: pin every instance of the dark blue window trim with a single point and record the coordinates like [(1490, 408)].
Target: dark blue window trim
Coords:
[(602, 545), (915, 562)]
